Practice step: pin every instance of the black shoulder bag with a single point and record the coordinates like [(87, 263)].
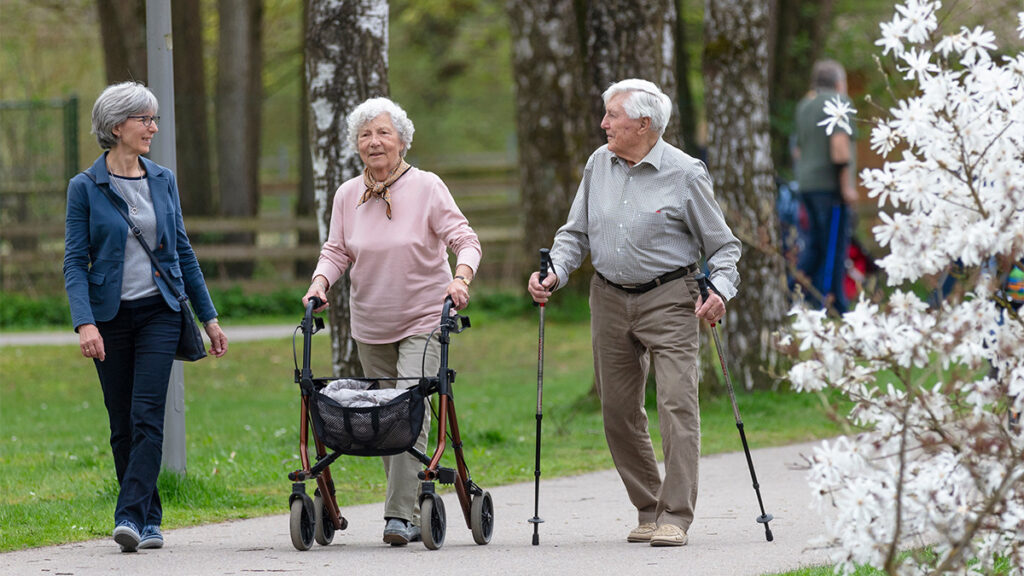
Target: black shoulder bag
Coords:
[(190, 343)]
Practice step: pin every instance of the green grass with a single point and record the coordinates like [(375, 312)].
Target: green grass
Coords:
[(58, 482)]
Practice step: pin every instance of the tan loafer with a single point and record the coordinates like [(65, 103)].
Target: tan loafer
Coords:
[(669, 535), (642, 533)]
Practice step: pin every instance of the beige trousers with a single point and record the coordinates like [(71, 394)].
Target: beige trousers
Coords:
[(630, 331), (402, 359)]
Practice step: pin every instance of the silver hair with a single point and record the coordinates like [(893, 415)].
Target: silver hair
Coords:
[(828, 75), (374, 107), (115, 104), (645, 100)]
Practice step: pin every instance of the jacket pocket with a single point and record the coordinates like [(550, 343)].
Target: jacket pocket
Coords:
[(97, 278)]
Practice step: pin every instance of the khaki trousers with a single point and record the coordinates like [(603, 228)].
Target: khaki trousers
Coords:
[(629, 331), (403, 359)]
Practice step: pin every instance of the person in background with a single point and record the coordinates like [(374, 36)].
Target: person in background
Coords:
[(825, 170), (127, 318), (646, 213), (391, 228)]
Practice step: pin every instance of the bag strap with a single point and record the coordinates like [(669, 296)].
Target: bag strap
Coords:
[(137, 232)]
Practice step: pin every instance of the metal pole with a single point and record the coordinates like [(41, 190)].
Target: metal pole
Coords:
[(545, 263), (764, 518), (160, 62)]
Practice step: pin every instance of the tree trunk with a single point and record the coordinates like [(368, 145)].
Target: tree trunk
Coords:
[(123, 31), (627, 39), (684, 95), (346, 63), (799, 30), (305, 204), (552, 116), (193, 145), (237, 172), (736, 60)]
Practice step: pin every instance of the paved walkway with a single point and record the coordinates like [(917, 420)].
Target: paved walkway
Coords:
[(586, 520)]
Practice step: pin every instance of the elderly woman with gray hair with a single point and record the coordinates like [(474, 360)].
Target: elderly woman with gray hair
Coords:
[(391, 228), (124, 311)]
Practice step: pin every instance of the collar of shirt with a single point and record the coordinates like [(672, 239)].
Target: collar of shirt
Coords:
[(653, 157)]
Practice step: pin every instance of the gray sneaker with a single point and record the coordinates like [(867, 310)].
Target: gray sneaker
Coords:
[(398, 532), (151, 537), (127, 536)]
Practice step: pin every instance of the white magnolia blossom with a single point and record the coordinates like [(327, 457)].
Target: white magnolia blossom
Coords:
[(937, 465)]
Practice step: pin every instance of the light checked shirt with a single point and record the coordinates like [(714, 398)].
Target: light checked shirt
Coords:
[(640, 222)]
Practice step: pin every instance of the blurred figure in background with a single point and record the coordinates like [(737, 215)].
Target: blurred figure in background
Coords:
[(825, 170)]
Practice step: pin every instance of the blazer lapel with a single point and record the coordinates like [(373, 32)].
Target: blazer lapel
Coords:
[(160, 191)]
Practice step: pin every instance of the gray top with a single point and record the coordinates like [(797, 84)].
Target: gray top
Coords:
[(643, 221), (138, 280)]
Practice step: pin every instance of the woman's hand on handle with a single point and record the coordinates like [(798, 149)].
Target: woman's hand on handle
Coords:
[(319, 289), (459, 292), (91, 343)]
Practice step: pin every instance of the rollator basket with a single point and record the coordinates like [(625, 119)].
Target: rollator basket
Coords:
[(385, 430)]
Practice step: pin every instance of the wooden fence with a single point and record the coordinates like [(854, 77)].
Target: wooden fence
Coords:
[(32, 235)]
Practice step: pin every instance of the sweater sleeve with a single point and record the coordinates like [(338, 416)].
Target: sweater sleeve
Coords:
[(334, 255), (451, 224)]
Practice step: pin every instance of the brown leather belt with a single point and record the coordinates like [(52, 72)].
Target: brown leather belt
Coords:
[(648, 286)]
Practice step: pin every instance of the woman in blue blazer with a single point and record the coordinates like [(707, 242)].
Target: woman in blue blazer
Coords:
[(127, 318)]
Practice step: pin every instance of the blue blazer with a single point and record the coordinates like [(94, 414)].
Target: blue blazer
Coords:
[(94, 241)]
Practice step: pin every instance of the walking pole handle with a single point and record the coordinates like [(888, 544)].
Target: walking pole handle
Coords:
[(702, 284), (545, 264)]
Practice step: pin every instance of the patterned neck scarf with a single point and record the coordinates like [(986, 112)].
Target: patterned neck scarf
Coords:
[(375, 189)]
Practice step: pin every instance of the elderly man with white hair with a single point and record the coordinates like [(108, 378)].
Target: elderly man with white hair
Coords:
[(646, 213)]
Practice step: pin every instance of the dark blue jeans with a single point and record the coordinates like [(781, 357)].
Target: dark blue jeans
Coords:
[(823, 259), (140, 342)]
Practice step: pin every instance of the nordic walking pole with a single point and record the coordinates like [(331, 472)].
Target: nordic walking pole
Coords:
[(764, 518), (545, 263)]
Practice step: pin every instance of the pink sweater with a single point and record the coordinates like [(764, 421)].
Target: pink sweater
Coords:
[(400, 268)]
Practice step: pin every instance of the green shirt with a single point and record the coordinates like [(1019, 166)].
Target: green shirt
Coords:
[(815, 171)]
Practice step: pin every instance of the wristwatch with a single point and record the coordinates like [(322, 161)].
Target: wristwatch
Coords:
[(464, 280)]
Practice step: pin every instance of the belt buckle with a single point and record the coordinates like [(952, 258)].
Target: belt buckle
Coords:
[(630, 286)]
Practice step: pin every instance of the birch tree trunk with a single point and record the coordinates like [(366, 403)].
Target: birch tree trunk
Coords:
[(551, 115), (628, 39), (739, 158), (346, 63)]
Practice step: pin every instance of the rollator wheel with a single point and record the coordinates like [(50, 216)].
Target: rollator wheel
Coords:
[(434, 522), (301, 524), (481, 518), (324, 528)]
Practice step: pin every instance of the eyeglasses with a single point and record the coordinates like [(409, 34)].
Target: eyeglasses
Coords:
[(147, 120)]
